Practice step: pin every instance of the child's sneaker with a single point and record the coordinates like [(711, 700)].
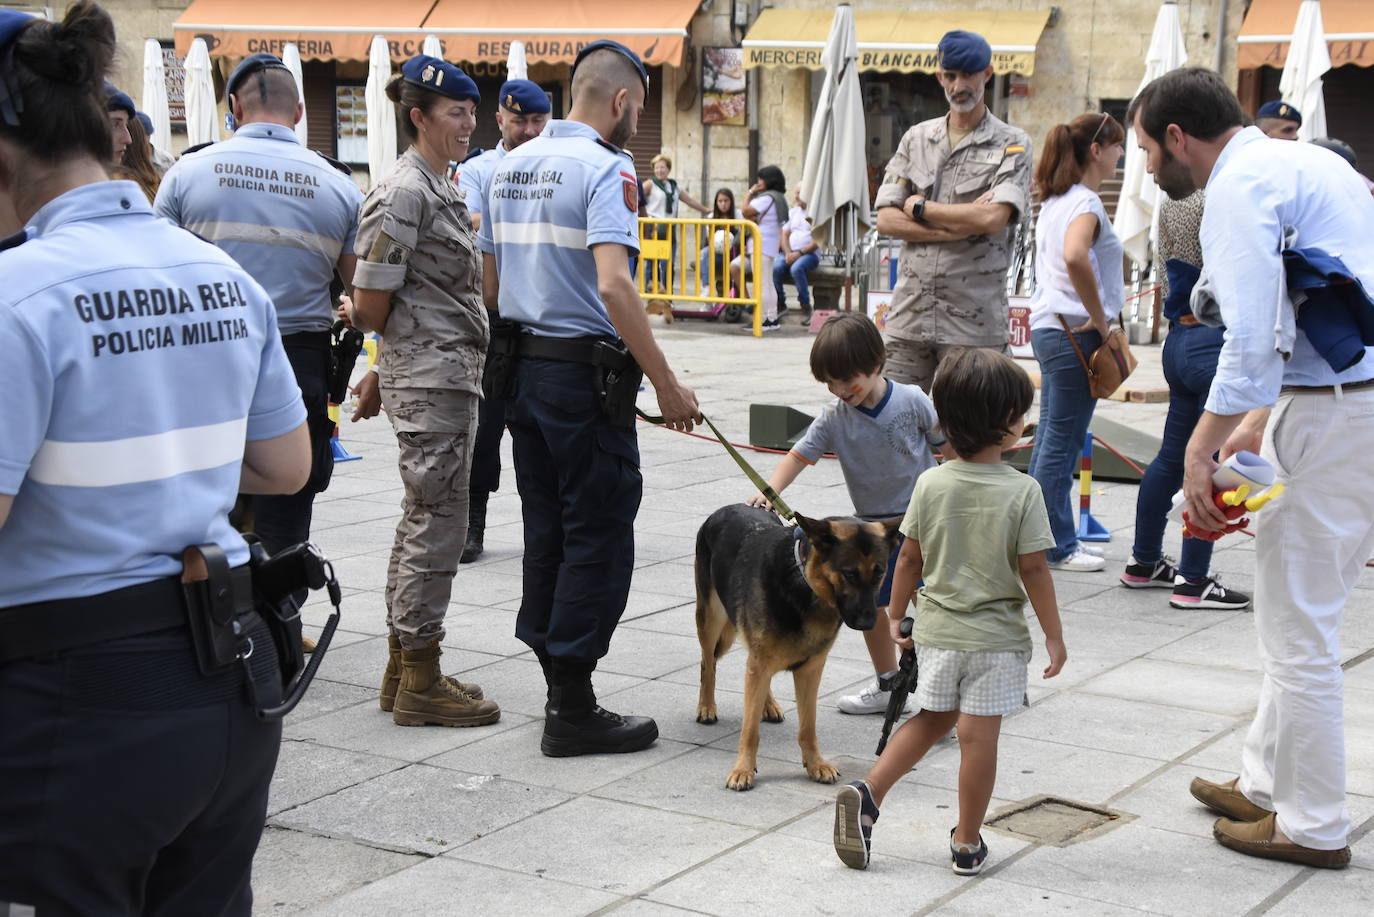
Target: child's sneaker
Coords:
[(1206, 593), (855, 813), (1091, 549), (967, 859), (1080, 561), (870, 699), (1158, 575)]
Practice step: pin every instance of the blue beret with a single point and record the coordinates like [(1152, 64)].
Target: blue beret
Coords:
[(606, 44), (11, 23), (439, 76), (253, 63), (145, 120), (116, 100), (966, 52), (522, 97), (1280, 110)]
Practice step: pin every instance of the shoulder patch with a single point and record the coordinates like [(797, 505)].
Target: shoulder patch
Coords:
[(631, 186), (387, 250)]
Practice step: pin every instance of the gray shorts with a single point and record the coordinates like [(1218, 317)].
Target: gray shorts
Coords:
[(979, 684)]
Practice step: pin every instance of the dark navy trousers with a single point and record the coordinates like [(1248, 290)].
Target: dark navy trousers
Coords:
[(486, 451), (580, 488), (130, 783)]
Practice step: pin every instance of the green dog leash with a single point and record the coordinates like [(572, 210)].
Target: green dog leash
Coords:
[(771, 495)]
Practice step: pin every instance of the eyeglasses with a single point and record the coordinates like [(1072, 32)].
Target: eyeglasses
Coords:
[(1101, 124)]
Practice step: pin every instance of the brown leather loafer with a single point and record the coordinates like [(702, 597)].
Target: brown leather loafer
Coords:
[(1226, 799), (1252, 838)]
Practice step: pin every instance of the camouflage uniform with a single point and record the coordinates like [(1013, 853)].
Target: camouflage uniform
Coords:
[(419, 245), (953, 293)]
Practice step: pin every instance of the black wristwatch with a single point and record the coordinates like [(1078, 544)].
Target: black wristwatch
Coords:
[(918, 210)]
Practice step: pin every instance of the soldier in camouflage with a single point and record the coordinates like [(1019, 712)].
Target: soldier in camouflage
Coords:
[(420, 284), (953, 193)]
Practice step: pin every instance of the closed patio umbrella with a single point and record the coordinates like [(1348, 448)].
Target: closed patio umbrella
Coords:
[(200, 96), (291, 57), (433, 47), (1138, 208), (835, 175), (381, 114), (515, 62), (1308, 59), (154, 100)]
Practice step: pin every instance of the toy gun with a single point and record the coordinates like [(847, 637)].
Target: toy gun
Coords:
[(1233, 482), (899, 683)]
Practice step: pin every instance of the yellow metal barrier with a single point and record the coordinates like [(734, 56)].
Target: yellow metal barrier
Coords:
[(669, 276)]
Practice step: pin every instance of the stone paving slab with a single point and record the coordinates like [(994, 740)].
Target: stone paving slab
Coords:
[(368, 818)]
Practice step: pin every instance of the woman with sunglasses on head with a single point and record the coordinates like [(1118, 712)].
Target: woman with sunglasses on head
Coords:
[(419, 284), (134, 771), (1079, 290)]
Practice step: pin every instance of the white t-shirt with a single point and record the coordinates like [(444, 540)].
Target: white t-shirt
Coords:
[(657, 204), (769, 227), (798, 229), (1054, 292)]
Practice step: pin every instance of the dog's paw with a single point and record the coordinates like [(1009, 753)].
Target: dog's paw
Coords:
[(822, 771), (772, 713), (741, 779), (706, 714)]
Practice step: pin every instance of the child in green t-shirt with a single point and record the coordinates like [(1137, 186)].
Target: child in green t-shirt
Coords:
[(977, 531)]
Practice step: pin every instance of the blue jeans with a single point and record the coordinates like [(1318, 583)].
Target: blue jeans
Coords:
[(1190, 362), (799, 270), (1066, 408)]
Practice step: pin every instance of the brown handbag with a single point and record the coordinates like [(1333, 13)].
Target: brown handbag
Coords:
[(1110, 365)]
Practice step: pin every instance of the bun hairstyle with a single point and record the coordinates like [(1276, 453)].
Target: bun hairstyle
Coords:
[(408, 96), (1066, 151), (55, 75)]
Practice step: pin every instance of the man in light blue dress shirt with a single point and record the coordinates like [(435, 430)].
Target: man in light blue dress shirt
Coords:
[(1276, 394)]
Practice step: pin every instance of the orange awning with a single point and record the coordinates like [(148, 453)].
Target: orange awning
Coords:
[(1349, 27), (335, 30), (554, 30), (322, 29)]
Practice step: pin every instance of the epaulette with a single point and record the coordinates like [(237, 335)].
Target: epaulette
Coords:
[(14, 241), (197, 148), (615, 149), (335, 163), (474, 153)]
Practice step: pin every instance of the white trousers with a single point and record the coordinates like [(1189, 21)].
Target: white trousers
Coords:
[(1310, 547)]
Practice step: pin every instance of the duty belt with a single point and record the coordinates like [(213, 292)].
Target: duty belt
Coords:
[(1327, 389), (316, 340), (591, 350)]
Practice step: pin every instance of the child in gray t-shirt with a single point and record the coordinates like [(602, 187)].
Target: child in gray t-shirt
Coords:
[(882, 433)]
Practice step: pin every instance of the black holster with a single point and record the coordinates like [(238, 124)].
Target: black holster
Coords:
[(498, 377), (346, 344), (222, 604), (620, 381)]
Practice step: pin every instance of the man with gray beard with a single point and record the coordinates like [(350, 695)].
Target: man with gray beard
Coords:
[(953, 193)]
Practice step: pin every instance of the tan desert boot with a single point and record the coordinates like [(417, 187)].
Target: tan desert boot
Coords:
[(391, 678), (426, 697)]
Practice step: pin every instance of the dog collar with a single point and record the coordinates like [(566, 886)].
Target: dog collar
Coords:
[(799, 552)]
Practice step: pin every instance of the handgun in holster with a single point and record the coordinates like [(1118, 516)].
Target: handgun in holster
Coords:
[(223, 604), (620, 378), (347, 343), (498, 377)]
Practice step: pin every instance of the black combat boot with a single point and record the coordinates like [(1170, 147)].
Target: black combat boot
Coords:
[(574, 724), (477, 526)]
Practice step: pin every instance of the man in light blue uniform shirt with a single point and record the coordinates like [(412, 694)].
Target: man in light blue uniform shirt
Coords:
[(289, 218), (521, 115), (560, 227), (1274, 393)]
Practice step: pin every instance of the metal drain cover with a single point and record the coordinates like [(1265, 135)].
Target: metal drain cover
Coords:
[(1055, 821)]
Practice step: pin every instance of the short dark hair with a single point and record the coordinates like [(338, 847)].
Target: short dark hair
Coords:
[(57, 70), (848, 345), (978, 393), (1194, 98)]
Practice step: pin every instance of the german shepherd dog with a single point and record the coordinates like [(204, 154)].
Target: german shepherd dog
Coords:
[(786, 593)]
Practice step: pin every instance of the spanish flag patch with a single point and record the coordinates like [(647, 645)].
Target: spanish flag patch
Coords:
[(1016, 148)]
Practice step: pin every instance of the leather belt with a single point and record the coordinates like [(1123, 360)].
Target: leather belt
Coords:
[(1327, 389), (317, 340), (1187, 318), (40, 628)]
